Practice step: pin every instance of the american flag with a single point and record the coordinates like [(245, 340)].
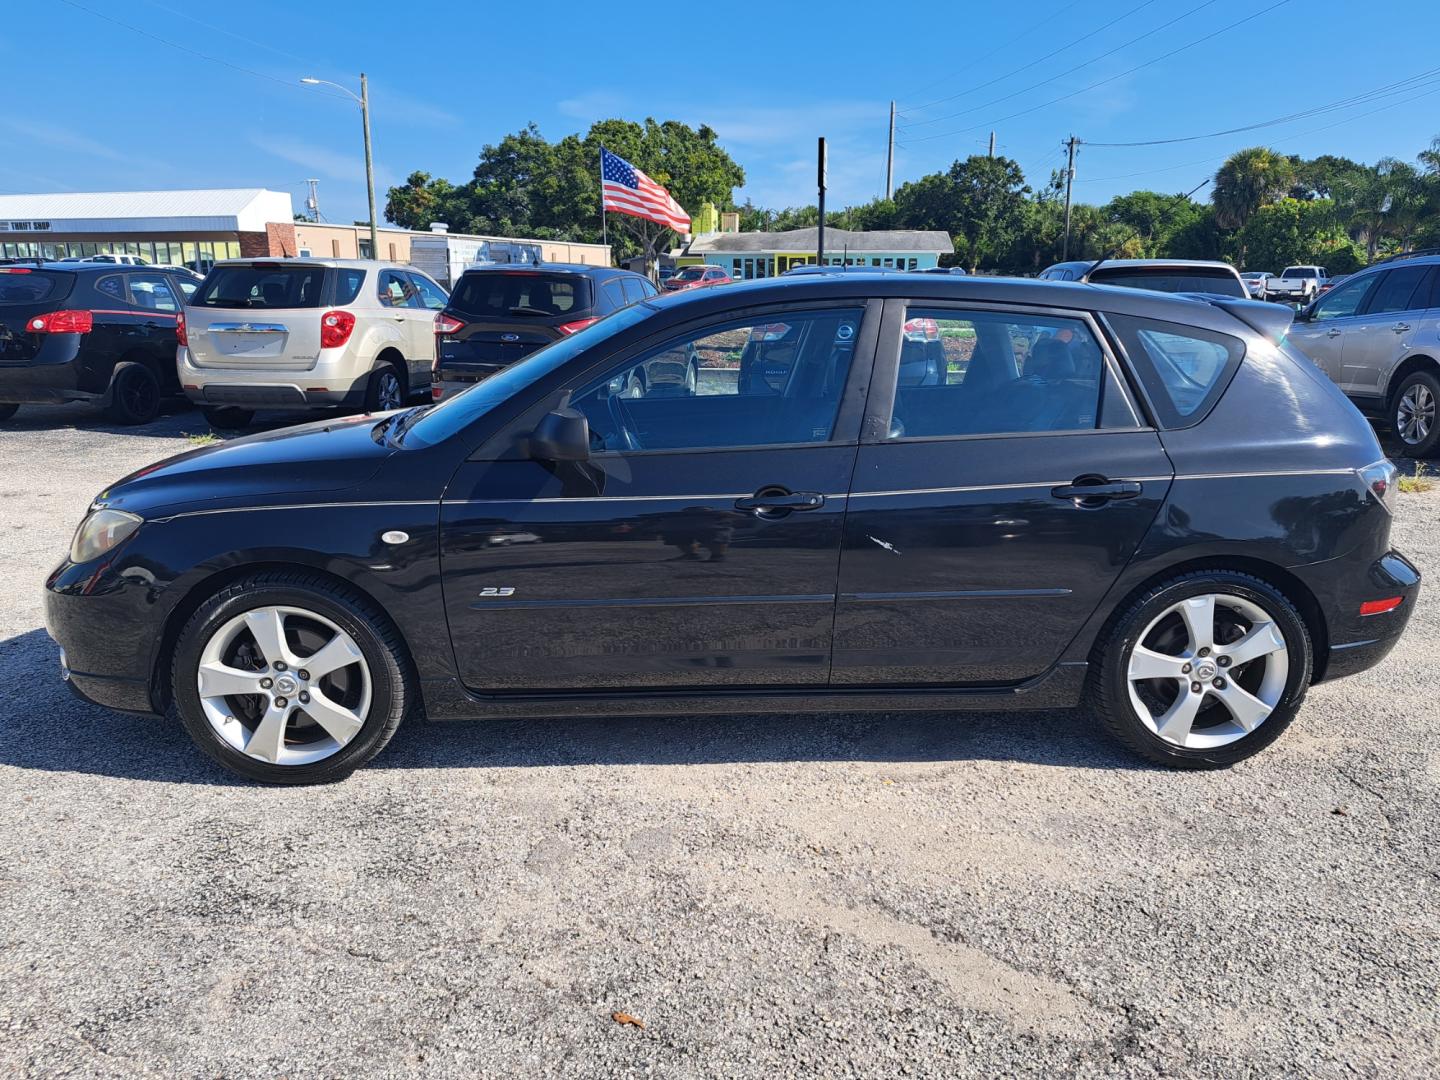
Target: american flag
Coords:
[(627, 190)]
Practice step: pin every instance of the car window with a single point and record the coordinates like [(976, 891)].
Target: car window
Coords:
[(520, 293), (348, 282), (740, 383), (262, 285), (111, 285), (1343, 300), (985, 373), (24, 286), (186, 286), (1184, 368), (153, 292), (431, 295), (396, 290), (614, 295), (1197, 279), (632, 290), (1400, 290)]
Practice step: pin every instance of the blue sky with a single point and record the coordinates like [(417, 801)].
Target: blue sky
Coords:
[(92, 105)]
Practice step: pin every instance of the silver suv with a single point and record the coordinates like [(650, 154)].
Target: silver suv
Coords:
[(1378, 336), (307, 333)]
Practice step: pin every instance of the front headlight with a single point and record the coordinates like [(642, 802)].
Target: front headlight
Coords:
[(101, 531)]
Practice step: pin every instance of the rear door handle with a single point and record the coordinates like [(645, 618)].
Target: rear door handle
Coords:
[(793, 500), (1332, 332), (1100, 491)]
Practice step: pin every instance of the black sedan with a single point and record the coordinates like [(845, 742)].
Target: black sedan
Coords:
[(1142, 502)]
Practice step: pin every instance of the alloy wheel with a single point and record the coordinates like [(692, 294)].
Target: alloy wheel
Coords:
[(284, 685), (388, 395), (1208, 670), (1415, 414)]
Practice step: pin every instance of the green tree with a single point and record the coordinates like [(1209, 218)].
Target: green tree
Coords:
[(1154, 218), (1248, 180), (1292, 231), (421, 200)]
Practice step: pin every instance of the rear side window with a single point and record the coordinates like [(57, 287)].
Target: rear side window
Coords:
[(32, 286), (111, 285), (520, 294), (1190, 280), (1405, 288), (152, 292), (633, 291), (1183, 368), (397, 290), (262, 286), (348, 282)]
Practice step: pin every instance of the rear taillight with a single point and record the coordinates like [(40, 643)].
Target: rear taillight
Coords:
[(447, 324), (180, 333), (335, 328), (61, 322), (578, 324), (1379, 479), (13, 270)]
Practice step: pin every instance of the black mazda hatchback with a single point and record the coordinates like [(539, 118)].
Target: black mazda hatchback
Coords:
[(881, 492)]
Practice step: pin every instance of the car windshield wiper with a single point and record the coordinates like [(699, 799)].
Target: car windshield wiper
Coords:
[(525, 310)]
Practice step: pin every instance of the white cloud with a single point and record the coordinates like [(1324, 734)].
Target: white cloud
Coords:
[(593, 105), (58, 138), (322, 162)]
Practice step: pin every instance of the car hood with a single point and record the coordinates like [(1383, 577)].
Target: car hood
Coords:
[(330, 455)]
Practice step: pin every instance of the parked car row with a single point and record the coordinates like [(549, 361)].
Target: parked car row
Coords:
[(917, 492)]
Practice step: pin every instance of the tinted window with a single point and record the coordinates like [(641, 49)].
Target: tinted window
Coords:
[(520, 294), (1189, 280), (1299, 272), (187, 288), (1399, 290), (31, 286), (348, 281), (632, 289), (1184, 368), (266, 285), (1343, 300), (152, 292), (754, 384), (690, 273), (112, 285), (431, 295), (614, 295), (982, 373)]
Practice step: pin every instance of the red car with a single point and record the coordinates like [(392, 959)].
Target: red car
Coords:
[(696, 277)]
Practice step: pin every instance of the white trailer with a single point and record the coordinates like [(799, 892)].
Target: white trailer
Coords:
[(445, 257)]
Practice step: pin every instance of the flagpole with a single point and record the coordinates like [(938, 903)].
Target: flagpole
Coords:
[(604, 224)]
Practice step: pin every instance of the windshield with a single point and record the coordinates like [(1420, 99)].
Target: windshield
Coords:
[(691, 273), (526, 293), (19, 286), (1170, 279), (438, 422), (264, 285)]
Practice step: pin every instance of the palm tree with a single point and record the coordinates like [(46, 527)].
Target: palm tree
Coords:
[(1248, 180)]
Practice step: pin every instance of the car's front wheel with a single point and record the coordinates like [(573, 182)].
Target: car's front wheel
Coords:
[(290, 678), (1414, 413), (1203, 670)]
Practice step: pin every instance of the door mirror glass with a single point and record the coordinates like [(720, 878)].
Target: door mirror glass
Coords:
[(562, 435)]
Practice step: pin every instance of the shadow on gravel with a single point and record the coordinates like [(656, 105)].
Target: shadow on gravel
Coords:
[(176, 419), (44, 727)]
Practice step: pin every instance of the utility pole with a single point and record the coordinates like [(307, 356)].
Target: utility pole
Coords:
[(820, 176), (313, 203), (1070, 144), (890, 157), (992, 144), (369, 167)]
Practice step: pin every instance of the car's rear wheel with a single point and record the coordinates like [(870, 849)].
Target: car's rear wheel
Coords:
[(134, 395), (386, 389), (1417, 425), (227, 418), (290, 678), (7, 410), (1203, 670)]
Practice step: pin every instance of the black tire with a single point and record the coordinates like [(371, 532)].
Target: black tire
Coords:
[(7, 410), (393, 681), (134, 394), (376, 388), (1109, 696), (1426, 386), (227, 418)]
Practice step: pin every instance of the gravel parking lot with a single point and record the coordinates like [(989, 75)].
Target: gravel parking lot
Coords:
[(766, 896)]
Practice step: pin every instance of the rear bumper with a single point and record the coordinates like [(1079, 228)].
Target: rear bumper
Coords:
[(53, 376), (1358, 642), (274, 388)]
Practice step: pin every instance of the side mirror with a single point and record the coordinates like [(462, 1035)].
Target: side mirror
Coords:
[(562, 435)]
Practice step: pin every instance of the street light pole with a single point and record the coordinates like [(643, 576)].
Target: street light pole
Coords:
[(364, 102)]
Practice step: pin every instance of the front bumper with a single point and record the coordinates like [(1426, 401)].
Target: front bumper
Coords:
[(106, 626)]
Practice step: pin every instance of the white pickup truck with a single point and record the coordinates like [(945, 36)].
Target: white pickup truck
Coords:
[(1296, 284)]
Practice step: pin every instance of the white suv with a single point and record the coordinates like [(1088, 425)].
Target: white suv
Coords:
[(307, 333)]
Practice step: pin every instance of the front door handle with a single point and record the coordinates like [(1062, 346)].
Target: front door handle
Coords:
[(1097, 491), (1401, 328), (1332, 332), (787, 500)]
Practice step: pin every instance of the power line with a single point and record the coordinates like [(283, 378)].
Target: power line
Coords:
[(1110, 79), (999, 48), (193, 52), (229, 33), (1033, 63), (1389, 90)]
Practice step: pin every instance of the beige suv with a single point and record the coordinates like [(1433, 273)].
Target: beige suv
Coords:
[(306, 333)]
